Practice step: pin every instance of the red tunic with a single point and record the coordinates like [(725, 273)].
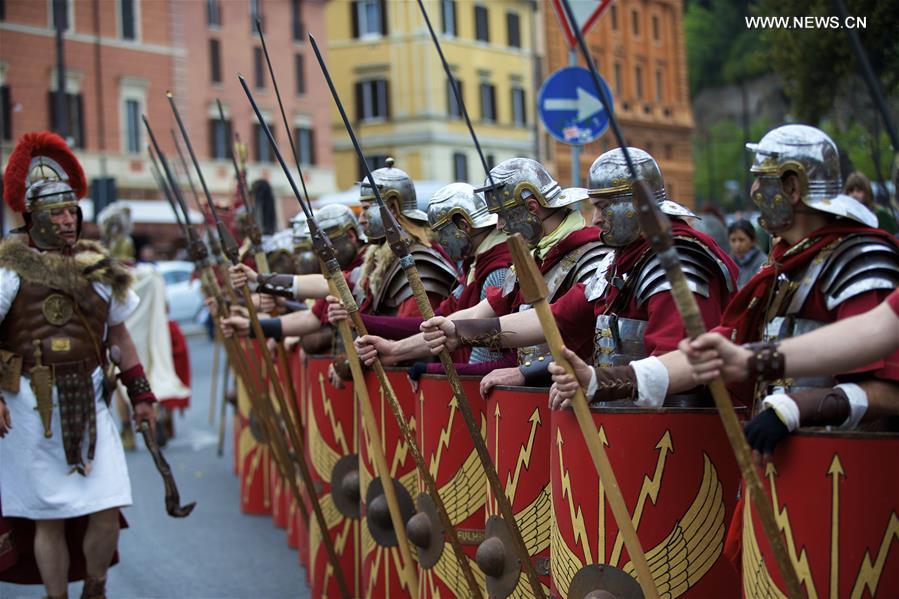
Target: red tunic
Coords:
[(181, 359), (893, 301), (576, 316)]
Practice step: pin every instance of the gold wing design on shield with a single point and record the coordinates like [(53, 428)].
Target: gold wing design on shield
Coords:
[(695, 542), (332, 519), (448, 571), (323, 455), (466, 491), (565, 562), (534, 522)]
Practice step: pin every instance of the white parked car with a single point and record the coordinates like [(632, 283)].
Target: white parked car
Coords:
[(182, 291)]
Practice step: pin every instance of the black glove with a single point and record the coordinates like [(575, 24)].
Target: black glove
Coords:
[(765, 431), (417, 369)]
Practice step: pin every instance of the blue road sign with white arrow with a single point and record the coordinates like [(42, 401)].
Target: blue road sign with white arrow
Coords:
[(570, 107)]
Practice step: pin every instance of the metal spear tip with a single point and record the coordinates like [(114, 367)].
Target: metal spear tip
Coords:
[(168, 94)]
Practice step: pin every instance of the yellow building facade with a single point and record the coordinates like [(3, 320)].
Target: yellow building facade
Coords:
[(396, 93)]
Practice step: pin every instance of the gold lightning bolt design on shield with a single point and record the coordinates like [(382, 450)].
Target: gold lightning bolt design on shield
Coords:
[(336, 427), (443, 440), (649, 489), (524, 457), (577, 516)]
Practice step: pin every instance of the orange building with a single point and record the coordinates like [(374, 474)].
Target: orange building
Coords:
[(638, 46), (122, 55)]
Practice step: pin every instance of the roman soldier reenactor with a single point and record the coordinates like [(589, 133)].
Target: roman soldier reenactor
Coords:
[(63, 303), (466, 229)]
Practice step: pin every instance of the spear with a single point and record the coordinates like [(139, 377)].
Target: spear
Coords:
[(325, 251), (229, 246), (657, 230)]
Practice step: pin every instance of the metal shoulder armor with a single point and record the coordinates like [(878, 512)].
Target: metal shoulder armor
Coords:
[(437, 275), (701, 267), (590, 262), (859, 264)]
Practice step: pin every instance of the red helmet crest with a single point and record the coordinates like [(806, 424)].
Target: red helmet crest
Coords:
[(18, 169)]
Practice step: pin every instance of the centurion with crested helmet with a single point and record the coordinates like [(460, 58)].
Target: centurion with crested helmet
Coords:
[(63, 303)]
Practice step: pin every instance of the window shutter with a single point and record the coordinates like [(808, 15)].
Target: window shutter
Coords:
[(386, 91), (360, 110), (384, 17), (81, 139), (51, 111), (354, 17)]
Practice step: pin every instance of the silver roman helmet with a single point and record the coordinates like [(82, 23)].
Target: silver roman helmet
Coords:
[(511, 183), (463, 200), (394, 184), (335, 220), (812, 155), (610, 180)]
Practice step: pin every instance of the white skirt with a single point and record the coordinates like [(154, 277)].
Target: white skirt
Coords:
[(35, 482)]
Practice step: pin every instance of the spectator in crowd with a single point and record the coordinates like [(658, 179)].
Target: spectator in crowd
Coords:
[(743, 249), (859, 187)]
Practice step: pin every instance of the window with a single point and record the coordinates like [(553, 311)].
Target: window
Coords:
[(215, 61), (258, 68), (304, 138), (481, 30), (375, 161), (219, 138), (513, 26), (128, 19), (369, 17), (299, 74), (213, 13), (132, 126), (519, 110), (256, 15), (448, 16), (614, 18), (74, 125), (372, 100), (460, 167), (659, 88), (5, 112), (262, 150), (2, 10), (655, 28), (68, 14), (638, 83), (635, 21), (488, 102), (453, 108), (618, 78), (296, 20)]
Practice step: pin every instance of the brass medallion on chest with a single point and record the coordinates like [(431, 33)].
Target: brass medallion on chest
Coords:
[(57, 309)]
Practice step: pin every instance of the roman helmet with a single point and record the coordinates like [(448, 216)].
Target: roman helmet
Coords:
[(609, 178), (335, 220), (509, 185), (812, 155), (458, 199), (393, 184), (43, 175)]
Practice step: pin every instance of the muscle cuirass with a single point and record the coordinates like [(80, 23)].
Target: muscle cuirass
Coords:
[(618, 341), (40, 313)]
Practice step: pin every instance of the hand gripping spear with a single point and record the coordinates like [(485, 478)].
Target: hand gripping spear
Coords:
[(657, 230), (235, 353), (229, 246), (322, 246), (255, 235), (233, 350)]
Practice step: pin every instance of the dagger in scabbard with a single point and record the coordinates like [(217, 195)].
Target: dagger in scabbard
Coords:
[(657, 230), (325, 252), (229, 246)]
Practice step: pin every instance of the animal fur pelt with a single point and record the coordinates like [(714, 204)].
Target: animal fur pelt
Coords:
[(71, 274), (375, 264)]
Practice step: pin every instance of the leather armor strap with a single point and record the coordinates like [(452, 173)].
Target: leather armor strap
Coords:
[(615, 383), (766, 363), (831, 406), (536, 371), (272, 328), (135, 381), (275, 284), (480, 332)]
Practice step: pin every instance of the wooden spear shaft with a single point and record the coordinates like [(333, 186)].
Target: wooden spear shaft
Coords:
[(534, 290), (368, 416)]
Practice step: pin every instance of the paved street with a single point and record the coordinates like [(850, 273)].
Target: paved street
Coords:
[(217, 552)]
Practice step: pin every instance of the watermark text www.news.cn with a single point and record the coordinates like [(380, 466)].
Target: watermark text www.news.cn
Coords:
[(807, 22)]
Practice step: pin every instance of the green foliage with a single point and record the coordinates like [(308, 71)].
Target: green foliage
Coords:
[(720, 49), (813, 63)]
